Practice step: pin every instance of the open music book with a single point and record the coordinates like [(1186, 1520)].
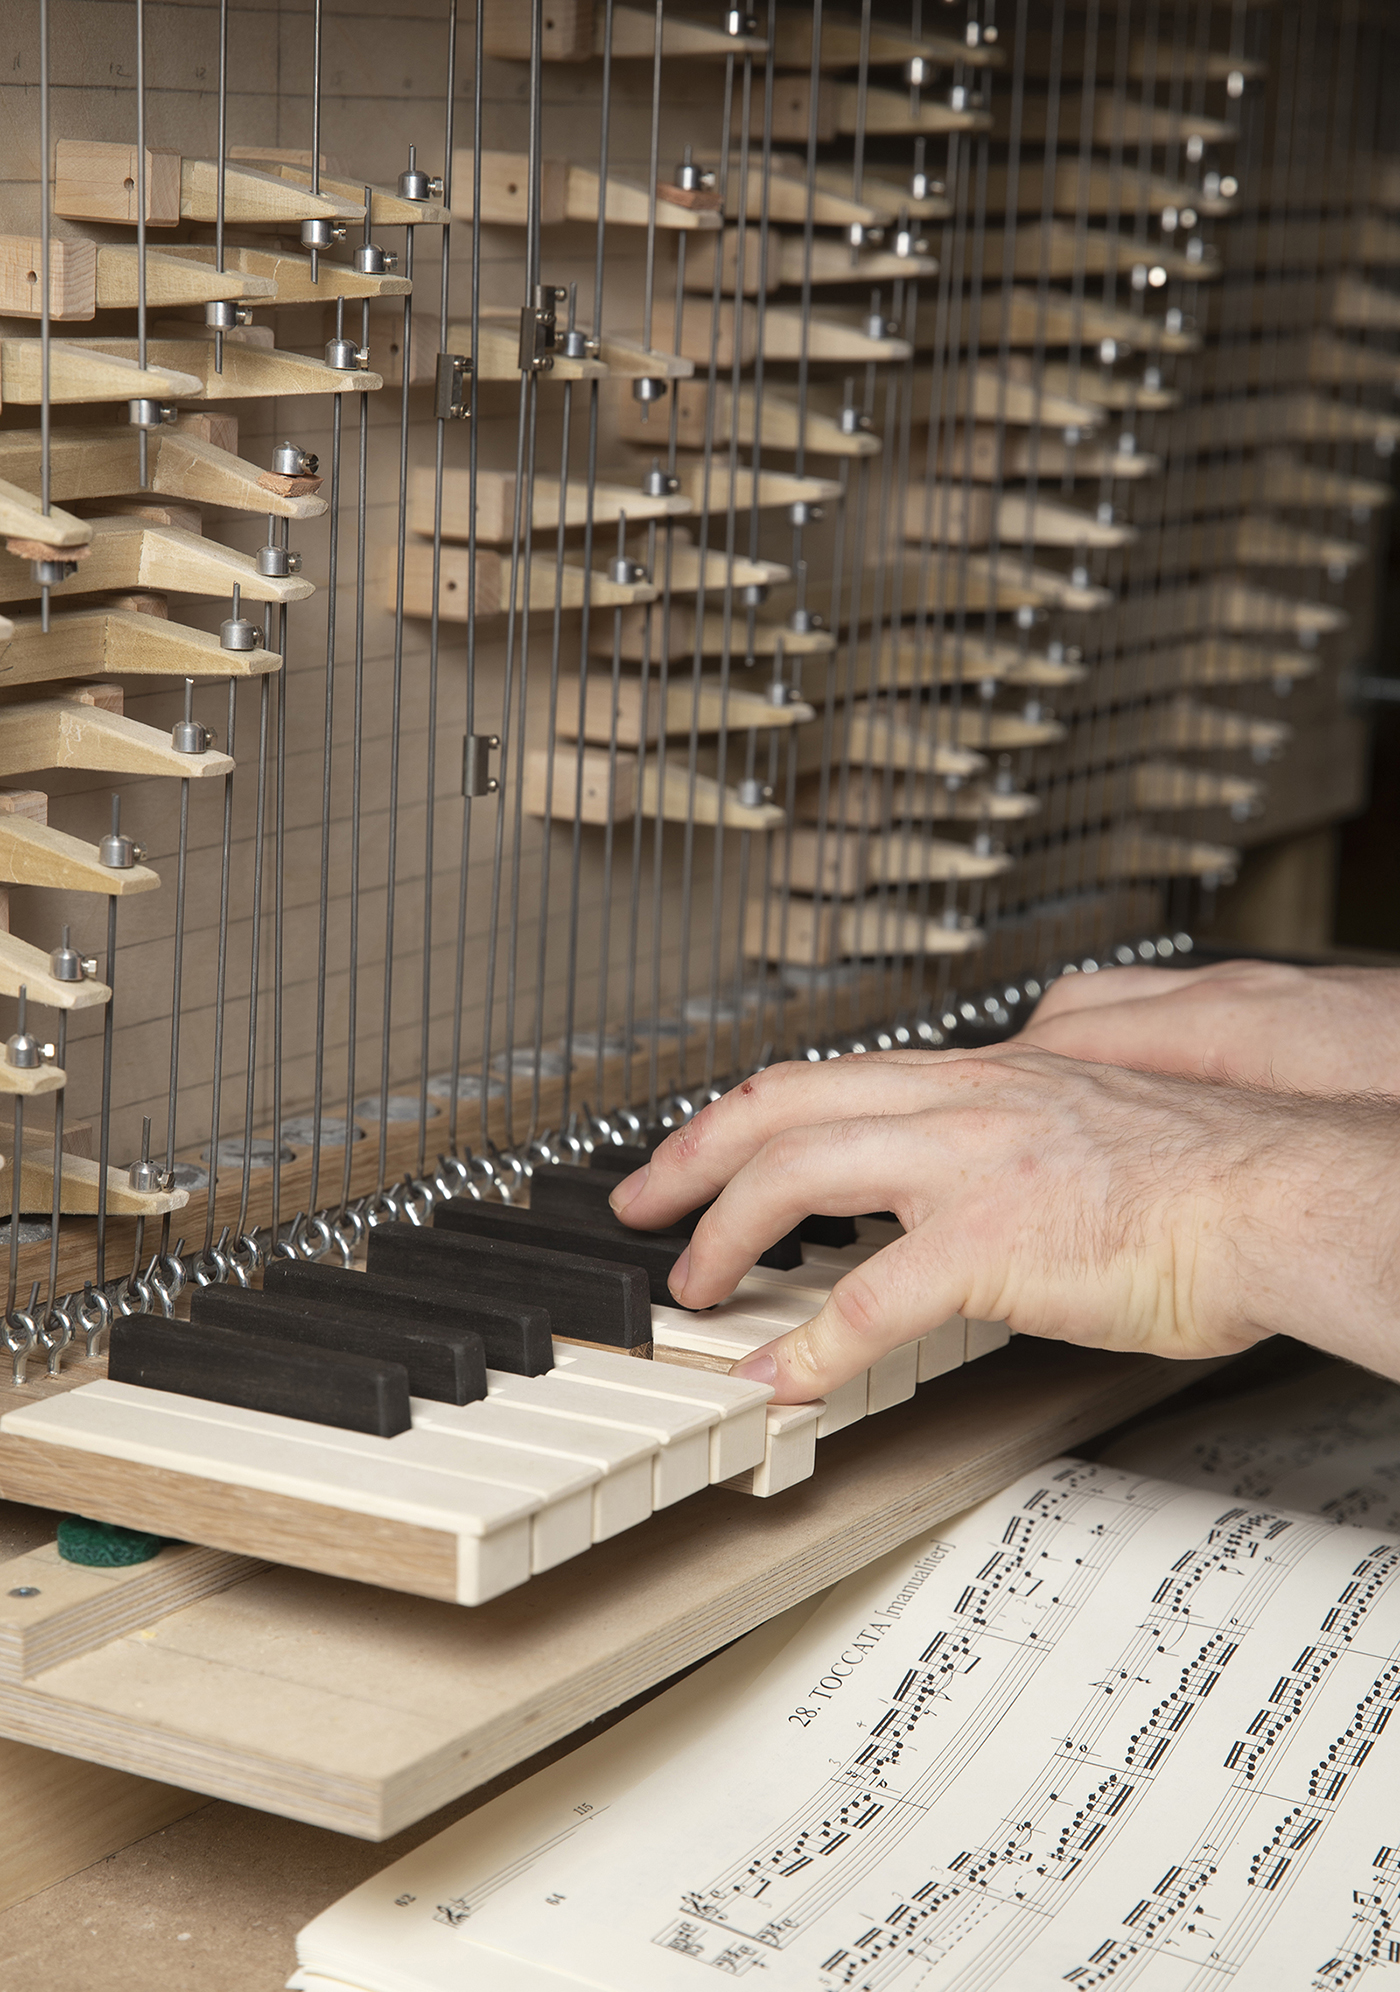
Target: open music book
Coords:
[(1107, 1728)]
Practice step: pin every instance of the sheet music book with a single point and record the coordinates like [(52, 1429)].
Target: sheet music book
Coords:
[(1108, 1728)]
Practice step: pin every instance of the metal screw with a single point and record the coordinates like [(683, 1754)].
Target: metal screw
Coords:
[(25, 1591)]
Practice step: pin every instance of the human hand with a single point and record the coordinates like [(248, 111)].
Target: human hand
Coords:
[(1083, 1203), (1306, 1030)]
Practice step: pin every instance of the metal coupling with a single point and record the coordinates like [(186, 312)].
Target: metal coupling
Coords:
[(50, 573), (23, 1050), (626, 572), (187, 736), (877, 326), (277, 562), (345, 356), (477, 778), (372, 261), (801, 512), (803, 621), (289, 460), (146, 413), (693, 179), (318, 233), (737, 22), (415, 185), (67, 965), (753, 596), (781, 694), (907, 243), (923, 186), (659, 483), (646, 389), (119, 853), (226, 316), (854, 422), (149, 1179), (918, 72), (752, 793), (237, 633), (451, 394), (581, 345)]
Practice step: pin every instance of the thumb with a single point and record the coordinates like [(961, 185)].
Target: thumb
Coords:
[(899, 1295)]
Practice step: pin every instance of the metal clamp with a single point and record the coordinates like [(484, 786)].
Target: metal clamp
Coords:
[(318, 233), (236, 632), (146, 413), (67, 965), (372, 261), (277, 561), (539, 323), (345, 356), (226, 316), (289, 460), (451, 401), (477, 778)]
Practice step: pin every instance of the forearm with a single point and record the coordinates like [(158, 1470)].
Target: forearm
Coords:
[(1318, 1250)]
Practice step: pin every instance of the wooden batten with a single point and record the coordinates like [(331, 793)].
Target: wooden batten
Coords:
[(105, 463), (631, 709), (95, 182), (37, 854), (639, 637), (80, 1181), (64, 733), (778, 419), (23, 966), (634, 37), (102, 642), (1045, 318), (72, 278), (838, 864), (289, 275), (171, 279), (23, 517), (127, 553), (972, 516), (1166, 785), (496, 503), (249, 369), (629, 204), (602, 787), (893, 111), (79, 373), (823, 930), (493, 584)]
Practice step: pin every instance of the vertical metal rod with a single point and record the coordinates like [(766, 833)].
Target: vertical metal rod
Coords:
[(55, 1211), (255, 952), (177, 978), (221, 973), (316, 130), (16, 1174), (45, 283), (104, 1128), (142, 439), (357, 763), (279, 913), (396, 721), (222, 176), (327, 751)]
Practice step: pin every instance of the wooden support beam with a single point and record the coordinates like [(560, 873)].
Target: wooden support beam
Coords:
[(80, 1180), (634, 36), (780, 422), (23, 517), (496, 502), (25, 967), (971, 581), (128, 553), (72, 278), (253, 197), (1059, 250), (992, 455), (1096, 187), (886, 734), (387, 207), (37, 854), (105, 463), (959, 515), (617, 713), (97, 643), (629, 359), (251, 371), (1112, 121), (904, 659), (1165, 785), (691, 567), (289, 275), (493, 574), (63, 733), (614, 789), (1024, 317), (96, 182), (80, 373), (638, 633), (785, 260), (822, 931), (985, 394), (886, 111), (1130, 851), (629, 203), (740, 490), (172, 278), (912, 798), (816, 861)]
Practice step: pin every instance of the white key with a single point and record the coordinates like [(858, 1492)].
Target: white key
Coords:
[(351, 1471), (680, 1432), (762, 1302), (893, 1378), (791, 1450), (837, 1259), (622, 1492), (726, 1337), (878, 1231), (845, 1405), (985, 1336), (818, 1280), (736, 1438), (942, 1348), (562, 1528)]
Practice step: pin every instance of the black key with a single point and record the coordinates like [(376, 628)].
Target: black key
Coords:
[(448, 1364), (258, 1373), (835, 1232), (609, 1159), (516, 1339), (596, 1235), (587, 1299), (579, 1196)]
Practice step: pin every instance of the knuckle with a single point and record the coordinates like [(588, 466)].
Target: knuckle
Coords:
[(855, 1307)]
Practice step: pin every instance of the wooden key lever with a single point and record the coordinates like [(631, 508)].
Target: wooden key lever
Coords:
[(97, 182), (88, 277), (105, 463), (78, 731), (25, 1070), (104, 643), (62, 980), (127, 553), (80, 1179), (32, 852)]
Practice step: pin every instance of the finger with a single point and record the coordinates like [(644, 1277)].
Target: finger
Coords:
[(897, 1296), (906, 1164), (694, 1164), (1070, 994)]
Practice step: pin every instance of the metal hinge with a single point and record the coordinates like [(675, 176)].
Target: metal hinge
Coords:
[(539, 328), (477, 778), (452, 400)]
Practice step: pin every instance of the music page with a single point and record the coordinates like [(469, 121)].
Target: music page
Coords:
[(1101, 1730)]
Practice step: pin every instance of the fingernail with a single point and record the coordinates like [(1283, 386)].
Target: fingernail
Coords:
[(629, 1188), (759, 1368), (679, 1274)]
